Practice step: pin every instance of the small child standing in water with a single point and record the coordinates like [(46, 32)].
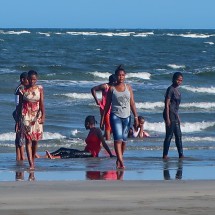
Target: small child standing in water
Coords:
[(20, 155)]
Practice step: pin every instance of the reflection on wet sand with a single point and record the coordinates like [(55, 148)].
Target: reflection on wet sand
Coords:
[(20, 176), (166, 172), (105, 175)]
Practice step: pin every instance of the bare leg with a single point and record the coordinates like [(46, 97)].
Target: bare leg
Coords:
[(118, 150), (29, 154), (50, 156), (123, 147), (107, 135), (18, 152), (18, 155), (34, 150), (37, 156), (22, 152)]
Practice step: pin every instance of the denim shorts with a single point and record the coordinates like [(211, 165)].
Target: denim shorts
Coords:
[(120, 127)]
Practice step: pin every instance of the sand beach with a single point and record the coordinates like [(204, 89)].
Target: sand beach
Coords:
[(108, 197)]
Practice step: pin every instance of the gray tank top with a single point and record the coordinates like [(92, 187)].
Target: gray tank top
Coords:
[(121, 103)]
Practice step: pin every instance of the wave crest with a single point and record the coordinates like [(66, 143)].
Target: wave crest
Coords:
[(210, 90), (10, 136), (79, 95), (186, 127)]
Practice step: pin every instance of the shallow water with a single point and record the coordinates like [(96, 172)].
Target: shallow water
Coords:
[(71, 61)]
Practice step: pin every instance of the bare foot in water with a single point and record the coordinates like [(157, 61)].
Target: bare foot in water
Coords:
[(165, 157), (31, 168), (119, 166), (49, 155)]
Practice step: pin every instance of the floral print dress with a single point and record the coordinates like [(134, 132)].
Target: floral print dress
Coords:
[(31, 114)]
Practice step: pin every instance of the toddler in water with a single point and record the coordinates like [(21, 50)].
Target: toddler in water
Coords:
[(140, 129)]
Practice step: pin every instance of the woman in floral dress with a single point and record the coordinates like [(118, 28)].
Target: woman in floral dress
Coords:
[(32, 115)]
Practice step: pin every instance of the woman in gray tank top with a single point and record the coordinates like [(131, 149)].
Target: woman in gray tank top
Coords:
[(121, 99)]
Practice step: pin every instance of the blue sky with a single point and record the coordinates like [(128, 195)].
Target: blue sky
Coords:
[(146, 14)]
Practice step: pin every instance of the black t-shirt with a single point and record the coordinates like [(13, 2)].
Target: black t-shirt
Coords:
[(174, 95)]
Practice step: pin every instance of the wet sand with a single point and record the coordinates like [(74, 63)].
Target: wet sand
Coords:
[(108, 197)]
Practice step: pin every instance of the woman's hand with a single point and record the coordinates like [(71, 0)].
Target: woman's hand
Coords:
[(136, 123), (102, 123), (17, 127), (98, 103), (168, 122), (42, 120)]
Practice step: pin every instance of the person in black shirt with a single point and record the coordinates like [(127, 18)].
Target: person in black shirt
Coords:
[(171, 117)]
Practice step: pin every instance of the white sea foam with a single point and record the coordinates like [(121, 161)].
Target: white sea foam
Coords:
[(186, 127), (10, 136), (189, 35), (210, 43), (171, 35), (197, 126), (74, 132), (123, 34), (149, 105), (159, 105), (46, 34), (198, 139), (51, 74), (109, 34), (201, 105), (58, 33), (52, 136), (195, 35), (161, 69), (16, 32), (174, 66), (155, 127), (104, 75), (79, 96), (141, 75), (76, 33), (210, 90), (143, 34), (8, 71)]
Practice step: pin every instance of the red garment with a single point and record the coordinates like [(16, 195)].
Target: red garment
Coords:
[(102, 107), (93, 144), (104, 98)]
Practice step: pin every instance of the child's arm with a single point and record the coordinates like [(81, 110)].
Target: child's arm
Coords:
[(104, 144)]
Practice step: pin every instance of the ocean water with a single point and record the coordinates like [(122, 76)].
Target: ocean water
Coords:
[(71, 61)]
